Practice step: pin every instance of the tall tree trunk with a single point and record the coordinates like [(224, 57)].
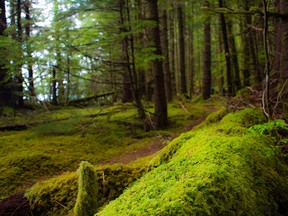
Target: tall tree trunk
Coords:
[(206, 82), (266, 91), (54, 88), (181, 37), (27, 6), (5, 82), (128, 45), (191, 58), (161, 115), (234, 57), (246, 47), (229, 77), (165, 51), (280, 63), (171, 49), (19, 76)]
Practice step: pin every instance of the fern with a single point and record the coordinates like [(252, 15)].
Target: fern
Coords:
[(269, 127)]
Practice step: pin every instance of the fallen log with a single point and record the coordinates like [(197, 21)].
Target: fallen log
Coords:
[(94, 97)]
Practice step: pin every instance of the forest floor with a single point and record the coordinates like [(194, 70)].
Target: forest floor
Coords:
[(36, 146)]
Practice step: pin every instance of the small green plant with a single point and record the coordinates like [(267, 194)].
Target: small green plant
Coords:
[(269, 127), (86, 204)]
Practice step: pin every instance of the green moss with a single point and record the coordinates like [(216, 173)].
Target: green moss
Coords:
[(87, 198), (57, 196), (214, 117), (222, 169), (57, 140), (245, 118)]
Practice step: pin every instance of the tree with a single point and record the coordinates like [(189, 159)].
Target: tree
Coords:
[(181, 37), (207, 58), (161, 115), (280, 63), (234, 57), (129, 52), (229, 77), (27, 6), (5, 81), (165, 50)]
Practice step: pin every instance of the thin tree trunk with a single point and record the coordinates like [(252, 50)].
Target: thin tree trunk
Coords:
[(266, 92), (172, 51), (5, 83), (29, 52), (191, 57), (136, 88), (164, 45), (246, 47), (19, 76), (229, 77), (128, 43), (206, 82), (54, 88), (234, 57), (183, 85)]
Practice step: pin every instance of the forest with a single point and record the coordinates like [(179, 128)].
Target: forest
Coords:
[(143, 107)]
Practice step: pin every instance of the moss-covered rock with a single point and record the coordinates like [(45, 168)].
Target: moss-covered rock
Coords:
[(222, 169)]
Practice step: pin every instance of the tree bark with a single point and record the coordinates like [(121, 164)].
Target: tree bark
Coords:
[(19, 76), (5, 82), (206, 81), (54, 88), (229, 77), (181, 37), (128, 45), (171, 30), (246, 47), (280, 63), (161, 115), (234, 57), (27, 6), (165, 52)]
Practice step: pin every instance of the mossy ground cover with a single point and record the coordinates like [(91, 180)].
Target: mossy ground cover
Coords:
[(218, 169), (58, 140), (57, 196)]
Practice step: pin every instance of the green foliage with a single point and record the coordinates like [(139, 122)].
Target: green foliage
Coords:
[(86, 204), (215, 171), (269, 127), (57, 196)]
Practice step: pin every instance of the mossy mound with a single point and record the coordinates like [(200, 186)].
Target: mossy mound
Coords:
[(57, 196), (222, 169)]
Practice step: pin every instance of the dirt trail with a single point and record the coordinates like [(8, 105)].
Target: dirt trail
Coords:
[(157, 144)]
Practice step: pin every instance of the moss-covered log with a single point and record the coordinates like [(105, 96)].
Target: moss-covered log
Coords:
[(57, 196), (219, 169)]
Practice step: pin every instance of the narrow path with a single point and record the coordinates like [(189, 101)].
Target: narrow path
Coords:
[(152, 148)]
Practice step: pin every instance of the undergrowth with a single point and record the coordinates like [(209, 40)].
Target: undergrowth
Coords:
[(58, 140), (57, 196)]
